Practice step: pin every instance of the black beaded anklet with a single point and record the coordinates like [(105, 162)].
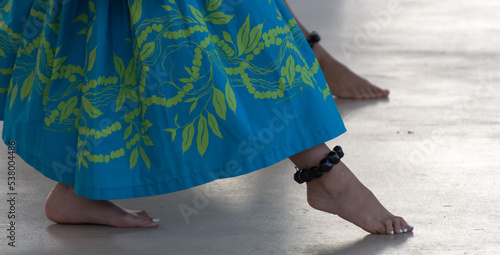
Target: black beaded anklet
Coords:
[(313, 38), (325, 165)]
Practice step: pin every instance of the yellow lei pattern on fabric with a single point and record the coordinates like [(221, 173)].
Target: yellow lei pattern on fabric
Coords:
[(196, 105)]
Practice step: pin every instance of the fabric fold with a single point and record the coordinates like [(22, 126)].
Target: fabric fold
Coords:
[(125, 99)]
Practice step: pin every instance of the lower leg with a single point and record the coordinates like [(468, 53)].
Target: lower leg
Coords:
[(342, 81), (340, 192), (65, 207)]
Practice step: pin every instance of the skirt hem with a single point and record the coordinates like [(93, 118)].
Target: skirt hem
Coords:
[(153, 189)]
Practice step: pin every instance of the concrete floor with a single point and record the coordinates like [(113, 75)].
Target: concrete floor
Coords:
[(427, 153)]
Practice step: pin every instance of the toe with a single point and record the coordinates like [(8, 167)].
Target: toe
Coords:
[(406, 227), (367, 93), (374, 94), (398, 228), (145, 222), (389, 228), (355, 94), (151, 223), (373, 90), (366, 89), (364, 94), (134, 221), (410, 228), (386, 92), (378, 92), (380, 229), (383, 93)]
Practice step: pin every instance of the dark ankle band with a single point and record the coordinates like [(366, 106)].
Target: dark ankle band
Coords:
[(325, 165), (313, 38)]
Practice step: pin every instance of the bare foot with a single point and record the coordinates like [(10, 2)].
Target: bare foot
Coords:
[(65, 207), (340, 192), (343, 82)]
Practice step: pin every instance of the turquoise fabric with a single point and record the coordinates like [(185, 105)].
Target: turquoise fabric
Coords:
[(124, 99)]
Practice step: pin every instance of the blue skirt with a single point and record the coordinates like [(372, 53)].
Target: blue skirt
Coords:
[(125, 99)]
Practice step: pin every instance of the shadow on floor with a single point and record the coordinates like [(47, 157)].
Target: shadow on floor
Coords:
[(349, 106), (370, 244)]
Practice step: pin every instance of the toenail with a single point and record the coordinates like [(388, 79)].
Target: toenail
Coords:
[(156, 220), (406, 230), (392, 232), (400, 231)]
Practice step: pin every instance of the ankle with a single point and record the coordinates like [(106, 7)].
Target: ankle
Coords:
[(310, 157), (321, 53), (63, 187)]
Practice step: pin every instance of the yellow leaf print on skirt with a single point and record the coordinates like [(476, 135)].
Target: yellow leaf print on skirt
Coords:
[(125, 99)]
